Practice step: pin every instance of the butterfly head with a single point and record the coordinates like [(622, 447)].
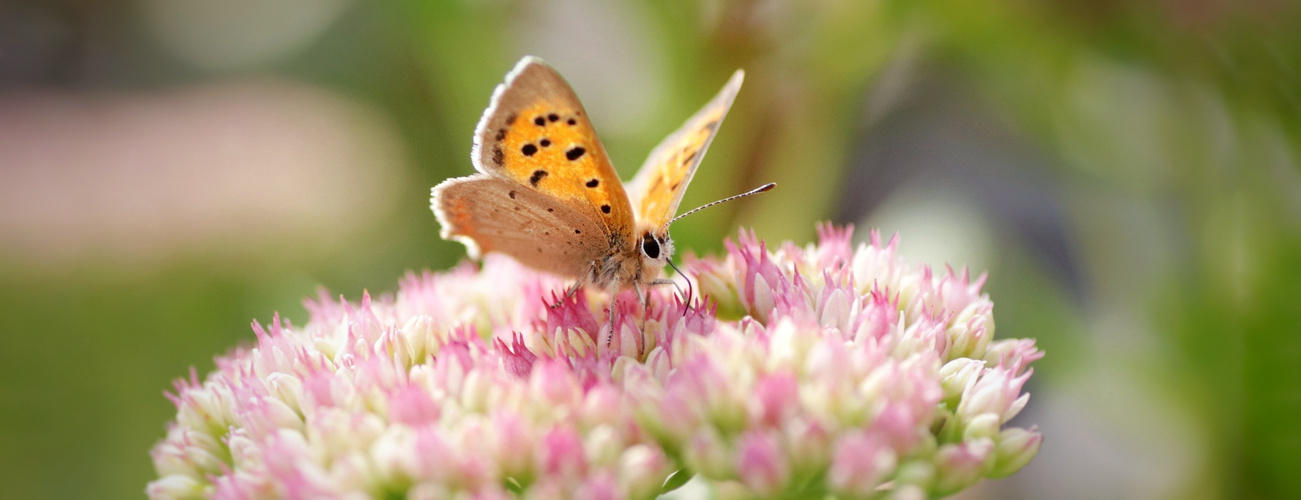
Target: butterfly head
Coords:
[(656, 249)]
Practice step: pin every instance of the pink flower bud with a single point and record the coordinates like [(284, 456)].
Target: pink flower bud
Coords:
[(960, 465), (776, 399), (760, 463), (561, 454), (1015, 449), (1013, 354), (175, 486), (510, 442), (599, 486), (958, 376), (643, 469), (859, 464), (553, 383)]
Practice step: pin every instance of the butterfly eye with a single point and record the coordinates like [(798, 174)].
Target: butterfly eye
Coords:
[(650, 247)]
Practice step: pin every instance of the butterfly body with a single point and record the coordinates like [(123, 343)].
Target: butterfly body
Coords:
[(546, 192)]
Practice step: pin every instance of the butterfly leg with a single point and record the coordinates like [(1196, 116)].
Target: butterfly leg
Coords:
[(614, 299), (690, 290), (686, 297), (569, 293), (644, 298), (666, 281)]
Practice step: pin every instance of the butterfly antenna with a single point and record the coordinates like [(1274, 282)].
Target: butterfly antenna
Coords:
[(690, 292), (757, 190)]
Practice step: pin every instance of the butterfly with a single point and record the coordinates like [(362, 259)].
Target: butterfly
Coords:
[(547, 195)]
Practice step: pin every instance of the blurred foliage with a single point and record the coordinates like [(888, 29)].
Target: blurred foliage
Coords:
[(1193, 108), (1170, 131)]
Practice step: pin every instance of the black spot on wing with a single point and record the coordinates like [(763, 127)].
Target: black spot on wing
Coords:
[(529, 149), (572, 121), (553, 117), (593, 183), (545, 142), (498, 156), (512, 194), (501, 134), (605, 208), (537, 176), (510, 120), (575, 153), (540, 121)]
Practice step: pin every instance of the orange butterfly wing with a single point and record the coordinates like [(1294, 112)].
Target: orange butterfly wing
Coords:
[(489, 214), (536, 133), (658, 187)]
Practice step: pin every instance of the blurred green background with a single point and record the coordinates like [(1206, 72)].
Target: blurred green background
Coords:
[(1126, 171)]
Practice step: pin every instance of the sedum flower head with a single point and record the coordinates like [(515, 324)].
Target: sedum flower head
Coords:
[(827, 369)]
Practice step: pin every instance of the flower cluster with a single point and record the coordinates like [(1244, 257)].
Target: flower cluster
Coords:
[(818, 370)]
